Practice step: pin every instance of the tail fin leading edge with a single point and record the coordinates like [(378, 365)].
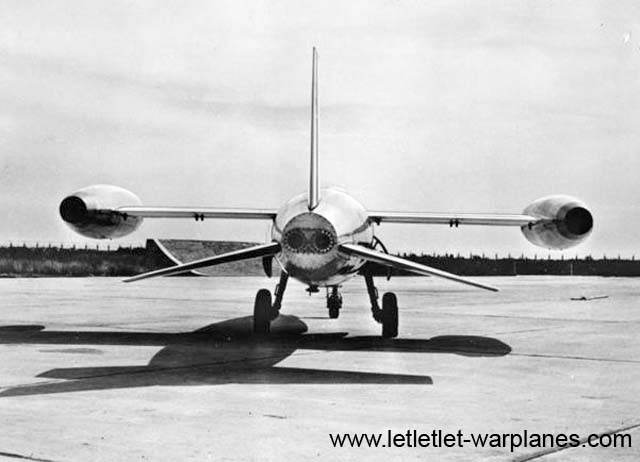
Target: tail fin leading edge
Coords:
[(313, 173)]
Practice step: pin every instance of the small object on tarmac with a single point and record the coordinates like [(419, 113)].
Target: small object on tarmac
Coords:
[(583, 298)]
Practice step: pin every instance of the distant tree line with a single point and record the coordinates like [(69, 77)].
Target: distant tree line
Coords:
[(483, 266), (58, 261), (23, 261)]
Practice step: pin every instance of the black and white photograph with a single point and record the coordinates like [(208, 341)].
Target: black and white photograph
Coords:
[(284, 230)]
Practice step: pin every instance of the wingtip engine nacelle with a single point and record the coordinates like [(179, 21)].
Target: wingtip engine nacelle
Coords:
[(564, 222), (92, 211)]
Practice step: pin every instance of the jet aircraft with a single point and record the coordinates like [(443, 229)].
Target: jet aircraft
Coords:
[(322, 237)]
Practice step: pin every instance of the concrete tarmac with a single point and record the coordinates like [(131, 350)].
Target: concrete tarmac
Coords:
[(167, 370)]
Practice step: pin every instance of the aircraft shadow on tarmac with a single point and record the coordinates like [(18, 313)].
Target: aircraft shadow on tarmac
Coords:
[(227, 352)]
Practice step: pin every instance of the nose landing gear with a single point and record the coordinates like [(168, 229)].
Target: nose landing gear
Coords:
[(334, 302)]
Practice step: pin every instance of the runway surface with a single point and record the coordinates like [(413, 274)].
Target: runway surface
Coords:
[(166, 369)]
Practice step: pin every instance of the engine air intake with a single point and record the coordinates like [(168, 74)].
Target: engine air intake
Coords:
[(73, 210), (578, 221)]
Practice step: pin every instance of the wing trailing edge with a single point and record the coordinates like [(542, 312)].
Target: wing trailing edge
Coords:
[(197, 213), (454, 219), (406, 265), (263, 250)]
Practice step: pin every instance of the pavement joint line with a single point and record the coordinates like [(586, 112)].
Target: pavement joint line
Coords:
[(606, 321), (523, 331), (550, 451), (578, 358), (165, 299)]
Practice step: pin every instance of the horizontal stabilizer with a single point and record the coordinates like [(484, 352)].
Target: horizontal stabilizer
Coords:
[(406, 265), (263, 250)]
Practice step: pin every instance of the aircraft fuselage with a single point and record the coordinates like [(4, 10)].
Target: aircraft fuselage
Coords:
[(310, 238)]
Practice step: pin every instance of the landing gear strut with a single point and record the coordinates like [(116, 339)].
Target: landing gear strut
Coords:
[(373, 297), (279, 293), (334, 302), (388, 315), (263, 311)]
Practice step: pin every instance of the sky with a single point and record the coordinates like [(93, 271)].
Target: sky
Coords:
[(440, 106)]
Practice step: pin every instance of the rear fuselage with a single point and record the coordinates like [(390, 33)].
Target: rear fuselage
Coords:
[(310, 238)]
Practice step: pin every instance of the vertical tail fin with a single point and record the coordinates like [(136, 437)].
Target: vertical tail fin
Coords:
[(313, 172)]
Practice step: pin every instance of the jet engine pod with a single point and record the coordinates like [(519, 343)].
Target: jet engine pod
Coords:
[(92, 211), (564, 222)]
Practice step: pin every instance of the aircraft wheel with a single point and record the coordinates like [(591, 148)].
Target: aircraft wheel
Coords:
[(334, 303), (389, 315), (262, 312)]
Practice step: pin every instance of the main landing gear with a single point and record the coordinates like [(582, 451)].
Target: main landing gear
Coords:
[(388, 315), (263, 310)]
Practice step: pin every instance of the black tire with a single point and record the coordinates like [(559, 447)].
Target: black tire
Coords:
[(262, 312), (334, 303), (334, 312), (389, 315)]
